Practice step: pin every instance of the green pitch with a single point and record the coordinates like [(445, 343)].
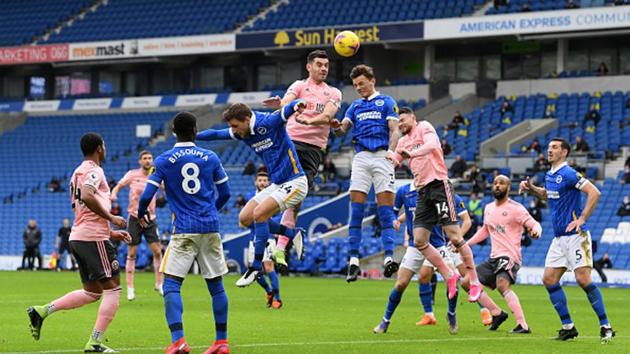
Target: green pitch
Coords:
[(319, 316)]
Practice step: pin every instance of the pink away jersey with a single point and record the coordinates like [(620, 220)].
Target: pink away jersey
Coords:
[(427, 159), (136, 180), (88, 226), (505, 225), (316, 97)]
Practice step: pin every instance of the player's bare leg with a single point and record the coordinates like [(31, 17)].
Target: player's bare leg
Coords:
[(504, 287), (424, 287), (156, 250), (421, 240), (130, 269), (246, 218), (498, 316), (485, 313), (402, 281), (109, 290), (289, 219), (386, 215), (357, 211), (457, 239)]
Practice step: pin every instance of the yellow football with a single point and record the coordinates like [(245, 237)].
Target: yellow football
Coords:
[(347, 43)]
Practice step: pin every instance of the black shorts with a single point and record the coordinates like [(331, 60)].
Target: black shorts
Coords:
[(96, 259), (63, 247), (435, 205), (310, 157), (493, 268), (136, 231)]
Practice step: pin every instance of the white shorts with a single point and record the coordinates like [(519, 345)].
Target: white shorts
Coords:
[(455, 257), (570, 252), (287, 195), (372, 168), (446, 254), (183, 249), (412, 259), (269, 250)]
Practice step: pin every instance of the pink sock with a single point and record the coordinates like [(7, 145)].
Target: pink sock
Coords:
[(157, 260), (130, 269), (73, 300), (487, 302), (288, 220), (515, 305), (107, 309), (436, 259), (469, 262)]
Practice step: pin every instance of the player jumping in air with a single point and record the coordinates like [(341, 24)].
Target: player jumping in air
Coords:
[(137, 180), (266, 135), (90, 245), (374, 122), (571, 248), (436, 202), (272, 293), (190, 175), (308, 130), (504, 220)]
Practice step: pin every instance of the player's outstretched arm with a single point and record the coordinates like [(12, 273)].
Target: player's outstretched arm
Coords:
[(528, 186), (479, 236), (214, 134), (321, 119)]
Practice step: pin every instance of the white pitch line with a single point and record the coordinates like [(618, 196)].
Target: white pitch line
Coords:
[(358, 342)]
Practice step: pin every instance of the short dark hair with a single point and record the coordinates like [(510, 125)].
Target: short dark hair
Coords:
[(362, 69), (144, 152), (405, 110), (237, 111), (319, 53), (564, 145), (184, 124), (262, 173), (90, 143)]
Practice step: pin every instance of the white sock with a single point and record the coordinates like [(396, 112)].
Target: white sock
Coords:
[(387, 260), (354, 261), (97, 335), (430, 314), (567, 326)]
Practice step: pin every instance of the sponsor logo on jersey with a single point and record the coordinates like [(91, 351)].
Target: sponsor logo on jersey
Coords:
[(262, 145)]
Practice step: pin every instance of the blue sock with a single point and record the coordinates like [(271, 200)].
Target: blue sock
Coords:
[(276, 228), (559, 300), (452, 303), (275, 284), (425, 297), (392, 303), (386, 216), (263, 284), (219, 306), (357, 211), (261, 236), (173, 307), (595, 297)]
